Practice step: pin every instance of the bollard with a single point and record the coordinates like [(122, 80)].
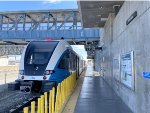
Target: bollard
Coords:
[(46, 105), (42, 104), (33, 107), (25, 110), (50, 100), (53, 96), (61, 94), (69, 85), (57, 104), (39, 105), (64, 90), (59, 98)]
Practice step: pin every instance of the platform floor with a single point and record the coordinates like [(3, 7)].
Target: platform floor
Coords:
[(96, 96)]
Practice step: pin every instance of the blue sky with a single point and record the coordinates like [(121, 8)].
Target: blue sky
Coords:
[(37, 5)]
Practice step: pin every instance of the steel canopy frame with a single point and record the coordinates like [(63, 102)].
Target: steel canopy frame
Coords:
[(33, 20)]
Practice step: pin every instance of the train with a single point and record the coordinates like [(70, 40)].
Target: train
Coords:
[(46, 63)]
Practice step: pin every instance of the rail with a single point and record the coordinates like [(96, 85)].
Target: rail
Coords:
[(51, 102)]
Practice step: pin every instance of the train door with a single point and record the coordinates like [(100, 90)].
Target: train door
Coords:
[(77, 65)]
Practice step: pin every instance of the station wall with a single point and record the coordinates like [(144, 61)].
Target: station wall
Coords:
[(119, 39)]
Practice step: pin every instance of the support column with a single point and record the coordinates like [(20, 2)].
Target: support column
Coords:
[(1, 22), (8, 24), (16, 23), (48, 23), (24, 22)]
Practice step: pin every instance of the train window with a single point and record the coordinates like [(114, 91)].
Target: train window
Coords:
[(38, 58), (39, 52), (64, 63)]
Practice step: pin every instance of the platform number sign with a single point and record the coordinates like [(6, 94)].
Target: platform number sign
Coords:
[(127, 70)]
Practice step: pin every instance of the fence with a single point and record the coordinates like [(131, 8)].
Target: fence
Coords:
[(52, 102), (8, 76)]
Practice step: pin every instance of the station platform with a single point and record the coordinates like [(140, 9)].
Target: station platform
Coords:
[(96, 96)]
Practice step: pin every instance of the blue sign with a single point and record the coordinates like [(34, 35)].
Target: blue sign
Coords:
[(146, 75)]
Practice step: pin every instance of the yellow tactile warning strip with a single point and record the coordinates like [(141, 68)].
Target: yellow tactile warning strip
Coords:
[(70, 106)]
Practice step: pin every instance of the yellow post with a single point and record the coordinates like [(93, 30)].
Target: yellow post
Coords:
[(50, 96), (60, 95), (64, 90), (25, 110), (56, 102), (72, 82), (42, 104), (69, 84), (53, 96), (39, 105), (46, 105), (66, 86), (59, 98), (33, 107)]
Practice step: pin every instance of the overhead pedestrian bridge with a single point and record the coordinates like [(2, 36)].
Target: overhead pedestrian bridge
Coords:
[(55, 24)]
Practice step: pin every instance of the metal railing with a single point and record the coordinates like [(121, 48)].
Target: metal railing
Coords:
[(79, 34)]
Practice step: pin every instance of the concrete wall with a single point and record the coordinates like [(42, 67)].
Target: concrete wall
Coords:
[(120, 38)]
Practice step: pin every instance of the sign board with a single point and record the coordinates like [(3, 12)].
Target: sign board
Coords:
[(116, 68), (146, 75), (131, 17), (127, 71)]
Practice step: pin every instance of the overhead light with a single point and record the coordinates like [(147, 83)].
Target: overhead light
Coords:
[(99, 15), (103, 19), (100, 7), (116, 6)]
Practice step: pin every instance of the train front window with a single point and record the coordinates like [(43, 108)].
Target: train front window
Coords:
[(38, 58), (39, 52)]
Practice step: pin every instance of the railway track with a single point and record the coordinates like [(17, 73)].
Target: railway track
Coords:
[(15, 101)]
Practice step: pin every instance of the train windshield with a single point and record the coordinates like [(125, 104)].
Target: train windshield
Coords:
[(39, 52)]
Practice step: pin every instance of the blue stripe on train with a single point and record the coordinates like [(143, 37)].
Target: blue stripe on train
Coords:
[(59, 75)]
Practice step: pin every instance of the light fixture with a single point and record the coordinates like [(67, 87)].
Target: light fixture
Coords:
[(103, 19)]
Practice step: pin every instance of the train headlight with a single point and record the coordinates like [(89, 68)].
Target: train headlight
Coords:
[(47, 72), (22, 77), (21, 72), (44, 77)]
